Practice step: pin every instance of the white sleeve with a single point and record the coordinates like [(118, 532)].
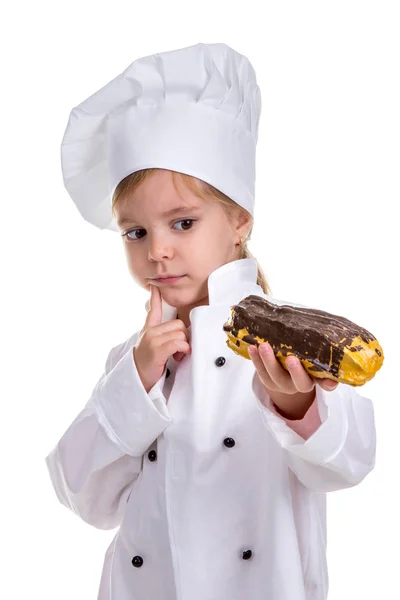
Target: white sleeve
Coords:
[(96, 462), (341, 452)]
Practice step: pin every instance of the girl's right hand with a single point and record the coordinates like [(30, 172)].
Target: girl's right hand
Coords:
[(158, 341)]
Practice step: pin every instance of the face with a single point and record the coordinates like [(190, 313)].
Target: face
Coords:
[(191, 243)]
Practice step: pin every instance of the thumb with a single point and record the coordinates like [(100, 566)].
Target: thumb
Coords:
[(154, 316)]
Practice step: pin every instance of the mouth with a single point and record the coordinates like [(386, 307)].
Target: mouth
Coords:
[(169, 279)]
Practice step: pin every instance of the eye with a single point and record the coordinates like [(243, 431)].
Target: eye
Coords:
[(186, 221), (133, 231)]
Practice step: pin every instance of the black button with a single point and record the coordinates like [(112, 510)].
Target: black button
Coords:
[(137, 561), (168, 373), (152, 455), (229, 442), (220, 361), (247, 554)]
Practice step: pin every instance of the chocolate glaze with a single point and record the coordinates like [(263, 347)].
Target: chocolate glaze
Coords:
[(313, 335)]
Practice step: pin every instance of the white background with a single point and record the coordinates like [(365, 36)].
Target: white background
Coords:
[(326, 234)]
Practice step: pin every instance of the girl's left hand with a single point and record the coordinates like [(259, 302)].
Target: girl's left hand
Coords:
[(276, 378)]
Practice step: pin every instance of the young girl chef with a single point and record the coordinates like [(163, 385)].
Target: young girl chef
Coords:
[(214, 468)]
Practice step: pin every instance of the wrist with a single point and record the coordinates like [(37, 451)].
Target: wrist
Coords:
[(292, 406)]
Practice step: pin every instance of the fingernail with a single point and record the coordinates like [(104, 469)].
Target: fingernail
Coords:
[(292, 361)]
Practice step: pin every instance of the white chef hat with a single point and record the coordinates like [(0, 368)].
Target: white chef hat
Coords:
[(193, 110)]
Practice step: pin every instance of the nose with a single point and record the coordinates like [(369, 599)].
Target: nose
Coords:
[(159, 248)]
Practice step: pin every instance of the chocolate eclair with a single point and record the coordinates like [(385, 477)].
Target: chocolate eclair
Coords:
[(328, 346)]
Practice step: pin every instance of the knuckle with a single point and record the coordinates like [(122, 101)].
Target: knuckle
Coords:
[(146, 338), (306, 388)]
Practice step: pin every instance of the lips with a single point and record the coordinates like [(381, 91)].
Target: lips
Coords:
[(161, 277), (169, 279)]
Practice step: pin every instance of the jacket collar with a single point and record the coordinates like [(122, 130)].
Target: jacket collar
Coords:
[(227, 285)]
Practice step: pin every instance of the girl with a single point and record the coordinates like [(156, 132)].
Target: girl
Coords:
[(214, 468)]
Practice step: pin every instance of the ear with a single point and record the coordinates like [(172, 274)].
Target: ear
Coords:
[(243, 223)]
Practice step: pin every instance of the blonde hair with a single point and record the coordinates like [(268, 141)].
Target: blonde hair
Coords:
[(207, 193)]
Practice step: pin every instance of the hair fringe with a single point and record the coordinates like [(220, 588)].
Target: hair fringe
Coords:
[(207, 193)]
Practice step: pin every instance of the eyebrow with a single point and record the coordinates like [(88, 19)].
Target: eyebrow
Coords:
[(168, 213)]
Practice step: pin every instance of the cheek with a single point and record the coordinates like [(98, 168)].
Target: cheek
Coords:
[(134, 265), (141, 281), (128, 253)]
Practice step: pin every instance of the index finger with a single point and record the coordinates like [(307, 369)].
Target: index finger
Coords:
[(154, 316)]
